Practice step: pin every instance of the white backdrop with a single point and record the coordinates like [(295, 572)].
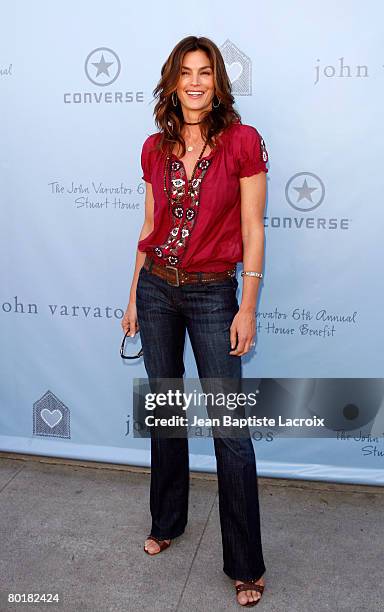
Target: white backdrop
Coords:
[(76, 85)]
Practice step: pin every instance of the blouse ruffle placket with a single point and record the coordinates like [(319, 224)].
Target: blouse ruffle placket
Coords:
[(184, 207)]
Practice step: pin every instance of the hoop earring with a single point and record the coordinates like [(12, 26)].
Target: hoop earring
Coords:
[(173, 99), (213, 105)]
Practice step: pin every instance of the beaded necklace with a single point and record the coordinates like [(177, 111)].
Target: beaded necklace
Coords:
[(189, 182)]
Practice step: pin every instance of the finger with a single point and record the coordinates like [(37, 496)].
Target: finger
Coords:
[(239, 349), (233, 337), (132, 327), (246, 347)]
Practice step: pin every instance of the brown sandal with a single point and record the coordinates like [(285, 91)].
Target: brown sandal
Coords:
[(249, 585), (162, 543)]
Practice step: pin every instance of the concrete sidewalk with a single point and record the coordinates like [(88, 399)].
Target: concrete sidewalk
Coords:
[(78, 529)]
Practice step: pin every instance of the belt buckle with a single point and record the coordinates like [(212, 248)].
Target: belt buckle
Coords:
[(177, 277)]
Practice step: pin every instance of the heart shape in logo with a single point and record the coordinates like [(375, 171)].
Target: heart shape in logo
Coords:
[(51, 417), (234, 71)]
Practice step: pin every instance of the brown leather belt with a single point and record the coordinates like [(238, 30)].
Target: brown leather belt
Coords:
[(177, 276)]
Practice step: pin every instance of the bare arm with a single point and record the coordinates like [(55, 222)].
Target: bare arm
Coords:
[(145, 231), (253, 193), (129, 321)]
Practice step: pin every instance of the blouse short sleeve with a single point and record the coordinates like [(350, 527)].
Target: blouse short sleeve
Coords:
[(146, 159), (253, 154)]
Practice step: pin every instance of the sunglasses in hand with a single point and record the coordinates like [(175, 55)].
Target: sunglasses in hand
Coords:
[(122, 349)]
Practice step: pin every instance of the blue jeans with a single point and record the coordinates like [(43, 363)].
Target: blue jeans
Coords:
[(206, 310)]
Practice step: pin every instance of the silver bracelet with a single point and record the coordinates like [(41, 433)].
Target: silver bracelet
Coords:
[(258, 274)]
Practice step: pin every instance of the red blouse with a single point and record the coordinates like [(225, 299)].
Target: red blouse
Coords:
[(204, 232)]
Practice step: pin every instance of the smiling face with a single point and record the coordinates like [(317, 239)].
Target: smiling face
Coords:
[(196, 88)]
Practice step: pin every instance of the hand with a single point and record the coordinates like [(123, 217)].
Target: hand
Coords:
[(243, 329), (129, 321)]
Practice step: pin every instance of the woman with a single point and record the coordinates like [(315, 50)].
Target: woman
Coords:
[(205, 176)]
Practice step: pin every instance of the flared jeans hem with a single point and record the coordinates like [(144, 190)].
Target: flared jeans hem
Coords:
[(238, 576)]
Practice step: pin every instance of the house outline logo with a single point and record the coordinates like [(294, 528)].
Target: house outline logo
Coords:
[(51, 417), (239, 68)]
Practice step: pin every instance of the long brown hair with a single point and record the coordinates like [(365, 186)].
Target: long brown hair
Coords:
[(169, 119)]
